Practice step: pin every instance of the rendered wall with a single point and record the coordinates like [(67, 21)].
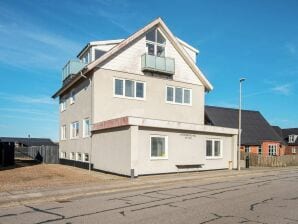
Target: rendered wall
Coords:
[(77, 111), (111, 150), (184, 148), (106, 106)]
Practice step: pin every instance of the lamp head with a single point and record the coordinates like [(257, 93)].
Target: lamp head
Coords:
[(242, 80)]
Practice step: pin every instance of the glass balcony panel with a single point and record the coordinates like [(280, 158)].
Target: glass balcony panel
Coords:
[(150, 61), (161, 63), (72, 67), (158, 64)]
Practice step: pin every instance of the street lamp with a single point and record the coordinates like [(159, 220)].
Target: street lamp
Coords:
[(239, 129)]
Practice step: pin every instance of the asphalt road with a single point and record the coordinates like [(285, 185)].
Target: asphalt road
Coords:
[(268, 198)]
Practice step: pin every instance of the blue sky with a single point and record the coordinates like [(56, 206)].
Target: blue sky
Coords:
[(257, 40)]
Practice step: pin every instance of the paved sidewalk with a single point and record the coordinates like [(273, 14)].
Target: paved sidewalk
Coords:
[(13, 198)]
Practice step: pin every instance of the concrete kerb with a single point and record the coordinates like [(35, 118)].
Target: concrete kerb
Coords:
[(8, 199)]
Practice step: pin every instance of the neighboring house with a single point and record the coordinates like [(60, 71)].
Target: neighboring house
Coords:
[(257, 134), (290, 137), (136, 107), (25, 142)]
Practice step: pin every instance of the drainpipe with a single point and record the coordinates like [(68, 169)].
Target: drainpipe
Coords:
[(91, 119)]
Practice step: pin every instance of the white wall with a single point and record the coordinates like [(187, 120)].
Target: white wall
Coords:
[(106, 106), (184, 148), (129, 61), (111, 150), (77, 111)]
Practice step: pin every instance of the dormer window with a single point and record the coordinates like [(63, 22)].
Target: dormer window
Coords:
[(292, 138), (155, 43)]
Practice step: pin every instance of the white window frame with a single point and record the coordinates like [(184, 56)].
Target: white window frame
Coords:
[(71, 130), (135, 88), (77, 156), (156, 44), (63, 132), (294, 150), (273, 151), (84, 157), (166, 148), (72, 156), (72, 97), (213, 143), (84, 128), (63, 155), (247, 147), (62, 105), (292, 138), (174, 92)]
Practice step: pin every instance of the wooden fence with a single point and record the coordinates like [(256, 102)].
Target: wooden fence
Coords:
[(271, 161), (44, 154)]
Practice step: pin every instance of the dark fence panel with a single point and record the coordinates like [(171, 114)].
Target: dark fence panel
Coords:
[(6, 153), (44, 154)]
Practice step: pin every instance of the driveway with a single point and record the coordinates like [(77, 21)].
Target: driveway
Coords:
[(268, 197)]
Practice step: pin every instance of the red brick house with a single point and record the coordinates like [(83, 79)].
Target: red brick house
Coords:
[(290, 138), (258, 136)]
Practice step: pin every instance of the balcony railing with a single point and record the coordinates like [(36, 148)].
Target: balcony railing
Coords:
[(158, 64), (72, 67)]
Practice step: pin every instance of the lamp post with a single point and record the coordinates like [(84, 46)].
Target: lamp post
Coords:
[(239, 129)]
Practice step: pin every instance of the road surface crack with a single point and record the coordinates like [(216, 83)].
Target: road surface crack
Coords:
[(252, 206)]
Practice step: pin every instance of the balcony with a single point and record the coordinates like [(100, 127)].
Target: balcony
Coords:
[(158, 64), (72, 67)]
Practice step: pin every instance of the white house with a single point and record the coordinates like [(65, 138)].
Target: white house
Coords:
[(135, 106)]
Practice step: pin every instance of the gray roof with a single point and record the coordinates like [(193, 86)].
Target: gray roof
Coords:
[(32, 141), (255, 128)]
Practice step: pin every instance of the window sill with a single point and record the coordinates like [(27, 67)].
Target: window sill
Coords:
[(158, 158), (74, 138), (214, 158), (130, 98), (180, 104), (88, 136)]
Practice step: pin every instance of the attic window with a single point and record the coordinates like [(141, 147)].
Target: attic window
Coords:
[(155, 43), (292, 138), (98, 53)]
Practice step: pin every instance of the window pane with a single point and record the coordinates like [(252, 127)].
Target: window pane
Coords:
[(151, 35), (86, 127), (160, 38), (208, 148), (150, 49), (158, 147), (186, 96), (118, 87), (86, 157), (160, 51), (216, 148), (178, 95), (129, 88), (170, 94), (99, 53), (140, 90)]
